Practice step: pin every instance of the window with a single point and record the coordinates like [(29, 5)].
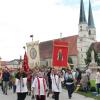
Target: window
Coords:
[(80, 28), (89, 32)]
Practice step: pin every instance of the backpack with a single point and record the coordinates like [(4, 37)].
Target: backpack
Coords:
[(70, 78)]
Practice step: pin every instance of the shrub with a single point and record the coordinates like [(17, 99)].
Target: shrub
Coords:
[(93, 89)]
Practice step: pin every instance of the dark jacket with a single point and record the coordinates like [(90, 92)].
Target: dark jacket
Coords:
[(6, 76)]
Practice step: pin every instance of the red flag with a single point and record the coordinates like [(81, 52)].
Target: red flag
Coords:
[(60, 53), (25, 63)]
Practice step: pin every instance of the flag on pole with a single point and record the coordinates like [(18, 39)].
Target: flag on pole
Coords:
[(25, 63), (31, 35), (60, 53)]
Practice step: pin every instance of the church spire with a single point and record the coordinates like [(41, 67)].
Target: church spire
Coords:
[(82, 18), (90, 17)]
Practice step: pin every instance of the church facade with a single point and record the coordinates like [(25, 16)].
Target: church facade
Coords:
[(86, 33), (79, 44)]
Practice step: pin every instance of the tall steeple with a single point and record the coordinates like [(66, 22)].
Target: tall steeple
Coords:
[(86, 35), (82, 18), (90, 17)]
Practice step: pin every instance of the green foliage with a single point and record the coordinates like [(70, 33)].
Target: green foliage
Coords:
[(93, 83), (70, 61), (90, 94), (88, 59)]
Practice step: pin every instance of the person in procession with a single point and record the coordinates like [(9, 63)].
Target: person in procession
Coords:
[(56, 83), (21, 84), (69, 79), (49, 82), (5, 80), (98, 81), (78, 76), (39, 86), (29, 81)]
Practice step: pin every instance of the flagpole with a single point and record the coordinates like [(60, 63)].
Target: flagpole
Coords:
[(25, 61), (61, 39)]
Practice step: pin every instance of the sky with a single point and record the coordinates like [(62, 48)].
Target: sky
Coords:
[(45, 19)]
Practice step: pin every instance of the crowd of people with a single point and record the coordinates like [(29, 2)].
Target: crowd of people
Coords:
[(41, 82)]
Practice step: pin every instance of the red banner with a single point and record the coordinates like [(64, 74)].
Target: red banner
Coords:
[(60, 53), (25, 63)]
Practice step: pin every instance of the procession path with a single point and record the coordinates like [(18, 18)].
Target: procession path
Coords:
[(63, 96)]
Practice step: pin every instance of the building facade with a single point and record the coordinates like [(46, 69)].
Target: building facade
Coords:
[(86, 33), (78, 44)]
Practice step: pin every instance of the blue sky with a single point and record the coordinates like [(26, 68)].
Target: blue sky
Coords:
[(95, 3), (45, 19), (68, 2)]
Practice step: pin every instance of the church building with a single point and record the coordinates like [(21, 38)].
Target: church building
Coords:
[(41, 53)]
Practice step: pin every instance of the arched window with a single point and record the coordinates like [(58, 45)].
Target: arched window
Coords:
[(80, 28), (89, 32)]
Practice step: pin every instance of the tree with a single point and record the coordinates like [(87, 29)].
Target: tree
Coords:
[(70, 61), (88, 58)]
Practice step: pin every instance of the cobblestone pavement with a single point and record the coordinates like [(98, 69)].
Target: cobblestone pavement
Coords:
[(63, 96)]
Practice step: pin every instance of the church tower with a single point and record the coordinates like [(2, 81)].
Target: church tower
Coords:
[(82, 21), (86, 34), (91, 26)]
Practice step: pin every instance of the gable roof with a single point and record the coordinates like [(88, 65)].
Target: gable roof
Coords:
[(46, 47)]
